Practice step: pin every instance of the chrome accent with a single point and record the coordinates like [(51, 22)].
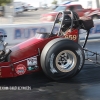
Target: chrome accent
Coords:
[(66, 61)]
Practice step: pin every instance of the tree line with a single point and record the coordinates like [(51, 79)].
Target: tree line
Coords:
[(3, 2)]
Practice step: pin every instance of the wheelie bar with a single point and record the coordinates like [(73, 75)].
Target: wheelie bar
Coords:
[(93, 55)]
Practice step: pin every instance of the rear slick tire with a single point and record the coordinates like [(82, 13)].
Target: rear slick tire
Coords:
[(62, 58)]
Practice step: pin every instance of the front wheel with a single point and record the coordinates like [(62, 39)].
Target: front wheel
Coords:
[(62, 58)]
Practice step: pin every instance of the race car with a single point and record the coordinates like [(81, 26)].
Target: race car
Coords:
[(59, 55)]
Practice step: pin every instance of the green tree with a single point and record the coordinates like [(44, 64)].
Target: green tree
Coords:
[(54, 2), (3, 2)]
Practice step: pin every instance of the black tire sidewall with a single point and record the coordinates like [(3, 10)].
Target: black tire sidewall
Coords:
[(55, 49)]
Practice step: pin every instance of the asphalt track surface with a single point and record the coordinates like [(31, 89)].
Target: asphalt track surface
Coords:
[(84, 86)]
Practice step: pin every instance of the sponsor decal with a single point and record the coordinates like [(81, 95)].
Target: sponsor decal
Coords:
[(20, 69), (32, 63), (53, 70), (81, 58)]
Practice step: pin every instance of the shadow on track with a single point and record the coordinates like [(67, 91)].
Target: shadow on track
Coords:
[(89, 74)]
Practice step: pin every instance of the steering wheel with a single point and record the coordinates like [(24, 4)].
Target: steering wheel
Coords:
[(67, 17)]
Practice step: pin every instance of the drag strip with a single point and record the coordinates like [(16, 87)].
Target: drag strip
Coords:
[(84, 86)]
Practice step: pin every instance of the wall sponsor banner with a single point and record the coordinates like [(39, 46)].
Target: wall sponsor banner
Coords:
[(18, 33)]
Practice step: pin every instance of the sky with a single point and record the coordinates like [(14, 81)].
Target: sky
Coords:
[(36, 2)]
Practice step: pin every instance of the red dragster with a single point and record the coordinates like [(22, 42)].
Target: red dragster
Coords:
[(58, 55), (94, 13)]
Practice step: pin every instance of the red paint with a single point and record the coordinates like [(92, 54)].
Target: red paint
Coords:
[(20, 53), (6, 70), (28, 49)]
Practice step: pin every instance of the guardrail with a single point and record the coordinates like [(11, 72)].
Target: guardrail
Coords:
[(20, 32)]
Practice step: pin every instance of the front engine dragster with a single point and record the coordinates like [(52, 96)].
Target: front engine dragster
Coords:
[(58, 55)]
